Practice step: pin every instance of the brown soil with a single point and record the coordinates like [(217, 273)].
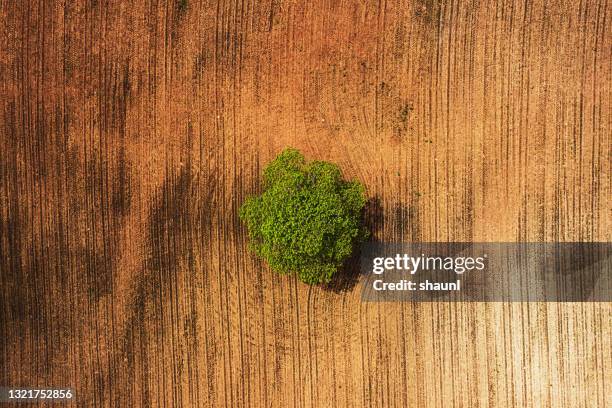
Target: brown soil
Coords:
[(130, 132)]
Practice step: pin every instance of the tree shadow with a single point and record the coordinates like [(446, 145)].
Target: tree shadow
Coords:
[(348, 276)]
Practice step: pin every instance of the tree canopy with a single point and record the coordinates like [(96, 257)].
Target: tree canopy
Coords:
[(307, 220)]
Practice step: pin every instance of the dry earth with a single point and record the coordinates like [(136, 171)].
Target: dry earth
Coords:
[(130, 132)]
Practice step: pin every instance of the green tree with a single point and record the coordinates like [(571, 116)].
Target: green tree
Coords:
[(307, 220)]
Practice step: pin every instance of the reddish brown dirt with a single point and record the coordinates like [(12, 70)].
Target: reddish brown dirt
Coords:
[(130, 132)]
